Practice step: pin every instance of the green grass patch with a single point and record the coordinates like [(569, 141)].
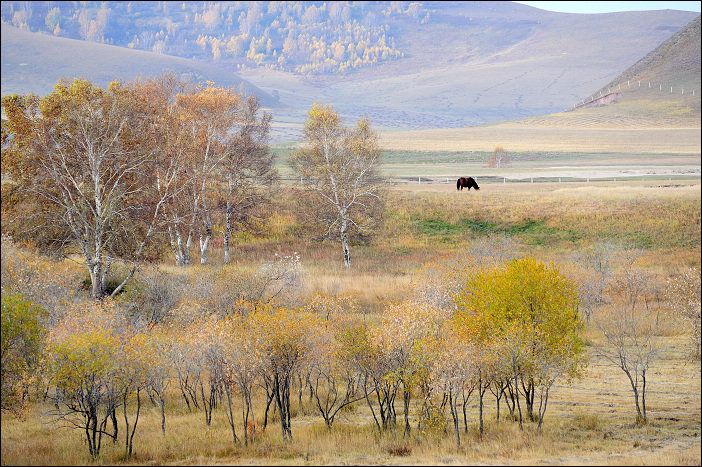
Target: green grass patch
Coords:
[(536, 232), (529, 231)]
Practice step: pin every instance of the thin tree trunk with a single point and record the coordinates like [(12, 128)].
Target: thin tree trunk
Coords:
[(454, 415), (406, 399), (542, 412), (205, 244), (516, 392), (227, 232), (643, 393), (115, 428), (345, 245), (370, 405), (162, 403), (136, 420), (480, 394), (230, 413)]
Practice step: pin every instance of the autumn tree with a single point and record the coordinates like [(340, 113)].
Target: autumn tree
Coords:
[(374, 363), (593, 276), (206, 118), (630, 325), (339, 167), (284, 343), (148, 352), (334, 384), (405, 329), (452, 370), (223, 141), (84, 355), (244, 362), (248, 169), (139, 369), (683, 292), (499, 159), (81, 160), (530, 309)]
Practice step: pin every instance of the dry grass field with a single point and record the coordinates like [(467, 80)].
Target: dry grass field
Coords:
[(523, 137), (589, 422), (643, 122)]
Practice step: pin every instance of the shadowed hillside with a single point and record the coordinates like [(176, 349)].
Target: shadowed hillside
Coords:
[(639, 120)]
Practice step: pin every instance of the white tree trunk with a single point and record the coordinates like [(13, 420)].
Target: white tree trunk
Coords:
[(345, 245)]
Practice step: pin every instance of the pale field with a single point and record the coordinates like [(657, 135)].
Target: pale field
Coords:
[(521, 137)]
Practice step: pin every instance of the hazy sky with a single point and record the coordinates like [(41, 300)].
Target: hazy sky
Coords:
[(609, 7)]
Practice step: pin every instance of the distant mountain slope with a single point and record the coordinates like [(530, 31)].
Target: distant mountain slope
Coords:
[(661, 90), (640, 120), (422, 64), (677, 61), (34, 62)]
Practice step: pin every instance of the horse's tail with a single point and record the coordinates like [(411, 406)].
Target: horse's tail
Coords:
[(458, 184)]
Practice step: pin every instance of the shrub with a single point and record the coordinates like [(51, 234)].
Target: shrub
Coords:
[(22, 336)]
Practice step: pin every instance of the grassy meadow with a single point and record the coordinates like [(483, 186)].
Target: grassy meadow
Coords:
[(591, 421), (653, 205)]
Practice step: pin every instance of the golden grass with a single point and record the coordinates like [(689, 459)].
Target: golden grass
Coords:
[(589, 422), (522, 137)]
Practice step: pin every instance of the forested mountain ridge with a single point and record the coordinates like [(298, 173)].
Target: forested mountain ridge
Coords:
[(304, 37)]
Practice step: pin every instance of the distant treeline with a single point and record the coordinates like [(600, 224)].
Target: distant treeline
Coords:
[(304, 37)]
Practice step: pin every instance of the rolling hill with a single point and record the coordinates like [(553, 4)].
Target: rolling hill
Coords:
[(33, 63), (447, 64), (654, 109)]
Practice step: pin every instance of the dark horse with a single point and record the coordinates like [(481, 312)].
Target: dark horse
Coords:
[(467, 182)]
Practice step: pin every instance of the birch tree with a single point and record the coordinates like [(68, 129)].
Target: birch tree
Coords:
[(81, 161), (223, 139), (207, 115), (248, 169), (339, 168)]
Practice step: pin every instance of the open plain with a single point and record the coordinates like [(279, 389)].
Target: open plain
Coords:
[(590, 421)]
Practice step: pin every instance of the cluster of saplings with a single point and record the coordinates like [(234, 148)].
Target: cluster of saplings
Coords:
[(511, 328)]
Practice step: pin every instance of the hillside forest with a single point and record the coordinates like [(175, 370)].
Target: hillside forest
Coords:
[(303, 37)]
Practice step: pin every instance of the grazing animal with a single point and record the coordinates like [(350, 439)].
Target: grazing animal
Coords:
[(467, 182)]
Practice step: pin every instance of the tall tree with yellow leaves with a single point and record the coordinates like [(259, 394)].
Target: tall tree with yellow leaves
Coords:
[(339, 168)]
